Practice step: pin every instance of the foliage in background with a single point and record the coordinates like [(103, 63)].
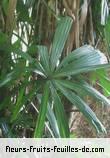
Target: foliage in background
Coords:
[(42, 72)]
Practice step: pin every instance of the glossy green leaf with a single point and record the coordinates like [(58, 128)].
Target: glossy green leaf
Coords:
[(85, 88), (94, 93), (73, 85), (51, 118), (53, 122), (42, 113), (83, 107), (59, 40), (44, 58), (73, 69), (60, 115), (104, 81), (81, 60), (78, 53)]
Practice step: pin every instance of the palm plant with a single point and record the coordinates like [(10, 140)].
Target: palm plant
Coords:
[(62, 77), (48, 77)]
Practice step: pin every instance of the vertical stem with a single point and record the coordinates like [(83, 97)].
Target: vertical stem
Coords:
[(10, 16)]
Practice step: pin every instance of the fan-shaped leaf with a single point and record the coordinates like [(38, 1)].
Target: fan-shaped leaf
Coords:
[(44, 58), (83, 107), (59, 40), (84, 88)]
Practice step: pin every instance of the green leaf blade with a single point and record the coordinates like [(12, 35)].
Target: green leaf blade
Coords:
[(76, 54), (85, 88), (53, 122), (44, 58), (82, 60), (60, 114), (83, 107), (59, 40), (72, 70), (94, 93), (42, 113)]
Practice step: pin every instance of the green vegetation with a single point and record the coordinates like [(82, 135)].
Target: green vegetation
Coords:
[(49, 63)]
